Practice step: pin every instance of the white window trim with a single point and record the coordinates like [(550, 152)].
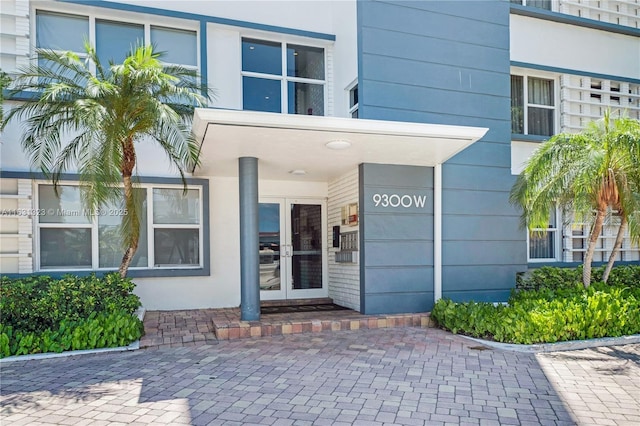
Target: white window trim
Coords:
[(93, 225), (121, 17), (563, 251), (283, 77), (525, 74), (557, 241)]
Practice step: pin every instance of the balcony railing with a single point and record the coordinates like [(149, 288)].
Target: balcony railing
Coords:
[(618, 12)]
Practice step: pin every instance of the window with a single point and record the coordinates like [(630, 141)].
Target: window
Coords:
[(543, 243), (532, 106), (170, 231), (279, 77), (566, 241), (353, 101), (113, 40), (541, 4)]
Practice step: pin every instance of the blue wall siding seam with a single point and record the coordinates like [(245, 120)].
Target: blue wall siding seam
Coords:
[(439, 89)]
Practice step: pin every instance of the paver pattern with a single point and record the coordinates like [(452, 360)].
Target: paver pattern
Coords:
[(405, 376)]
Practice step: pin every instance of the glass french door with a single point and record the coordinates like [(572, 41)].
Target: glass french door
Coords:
[(292, 248)]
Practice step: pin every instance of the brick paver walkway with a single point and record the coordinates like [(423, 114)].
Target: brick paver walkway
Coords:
[(407, 376)]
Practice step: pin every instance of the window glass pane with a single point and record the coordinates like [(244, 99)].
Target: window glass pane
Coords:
[(110, 249), (176, 247), (261, 94), (304, 61), (173, 206), (269, 230), (540, 91), (61, 32), (115, 40), (517, 105), (58, 70), (353, 96), (261, 56), (542, 4), (65, 247), (540, 121), (66, 207), (542, 246), (178, 46), (306, 98)]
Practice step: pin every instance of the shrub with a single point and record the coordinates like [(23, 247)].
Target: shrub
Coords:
[(103, 330), (41, 314), (555, 311), (40, 303), (558, 278)]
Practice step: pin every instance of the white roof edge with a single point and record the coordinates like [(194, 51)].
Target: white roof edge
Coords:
[(203, 116)]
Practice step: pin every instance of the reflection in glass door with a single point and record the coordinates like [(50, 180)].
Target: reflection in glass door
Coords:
[(270, 232), (292, 238), (306, 231)]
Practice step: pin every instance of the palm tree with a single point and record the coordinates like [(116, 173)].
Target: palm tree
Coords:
[(589, 173), (5, 80), (104, 112)]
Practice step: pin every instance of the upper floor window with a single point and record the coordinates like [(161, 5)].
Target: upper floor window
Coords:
[(113, 40), (532, 106), (279, 77), (542, 4), (353, 101)]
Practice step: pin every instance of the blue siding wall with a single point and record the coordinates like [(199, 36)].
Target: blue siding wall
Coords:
[(447, 62), (396, 239)]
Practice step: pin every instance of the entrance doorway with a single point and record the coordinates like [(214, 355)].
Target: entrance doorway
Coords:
[(292, 248)]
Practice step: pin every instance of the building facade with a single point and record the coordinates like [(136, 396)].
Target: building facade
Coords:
[(358, 150)]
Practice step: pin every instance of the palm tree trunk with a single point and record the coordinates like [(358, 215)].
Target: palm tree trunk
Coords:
[(616, 248), (128, 164), (591, 248)]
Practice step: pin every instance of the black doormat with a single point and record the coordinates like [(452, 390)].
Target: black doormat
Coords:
[(327, 307)]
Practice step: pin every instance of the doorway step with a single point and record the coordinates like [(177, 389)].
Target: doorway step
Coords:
[(227, 324)]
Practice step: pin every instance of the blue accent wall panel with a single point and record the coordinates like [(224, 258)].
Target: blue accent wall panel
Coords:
[(486, 277), (396, 238), (447, 62)]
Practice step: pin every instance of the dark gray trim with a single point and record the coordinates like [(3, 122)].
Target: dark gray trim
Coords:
[(141, 273), (574, 72), (249, 239), (361, 238), (563, 18), (528, 138)]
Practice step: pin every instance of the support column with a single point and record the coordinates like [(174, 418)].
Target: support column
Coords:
[(249, 240), (437, 232)]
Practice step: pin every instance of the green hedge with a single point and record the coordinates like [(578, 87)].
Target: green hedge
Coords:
[(556, 278), (41, 314), (556, 311)]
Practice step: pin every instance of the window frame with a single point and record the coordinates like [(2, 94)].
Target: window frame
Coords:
[(526, 104), (557, 230), (552, 4), (284, 78), (123, 18), (151, 227), (353, 92)]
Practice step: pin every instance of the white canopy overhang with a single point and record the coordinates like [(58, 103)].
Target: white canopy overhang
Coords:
[(284, 143)]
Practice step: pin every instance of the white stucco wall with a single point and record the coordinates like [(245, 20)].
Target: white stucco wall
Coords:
[(541, 42)]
